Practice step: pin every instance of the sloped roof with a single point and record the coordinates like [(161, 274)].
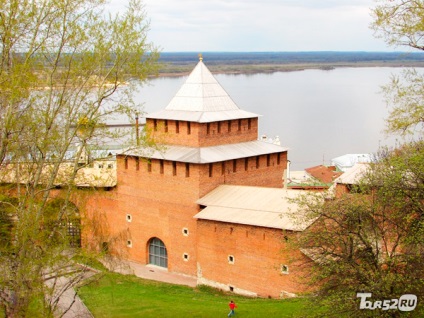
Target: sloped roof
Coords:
[(201, 99), (210, 154), (323, 173), (257, 206), (353, 175)]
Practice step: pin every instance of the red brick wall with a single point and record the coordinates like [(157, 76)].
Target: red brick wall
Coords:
[(202, 136), (162, 204), (264, 175), (258, 255)]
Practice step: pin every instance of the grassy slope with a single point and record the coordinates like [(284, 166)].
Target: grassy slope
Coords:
[(129, 296)]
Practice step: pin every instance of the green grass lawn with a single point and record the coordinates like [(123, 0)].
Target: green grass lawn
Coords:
[(116, 295)]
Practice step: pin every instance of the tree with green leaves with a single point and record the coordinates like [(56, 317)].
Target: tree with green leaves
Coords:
[(371, 239), (66, 68), (400, 23)]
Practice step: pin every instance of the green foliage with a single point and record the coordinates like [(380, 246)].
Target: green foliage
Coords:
[(401, 23), (128, 296), (371, 240), (65, 70)]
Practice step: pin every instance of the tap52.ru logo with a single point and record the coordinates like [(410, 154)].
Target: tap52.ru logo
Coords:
[(406, 302)]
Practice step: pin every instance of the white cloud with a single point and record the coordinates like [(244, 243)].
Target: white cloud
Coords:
[(267, 25)]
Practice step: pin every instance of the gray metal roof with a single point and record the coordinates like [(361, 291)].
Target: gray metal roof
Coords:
[(257, 206), (201, 99), (353, 175), (211, 154)]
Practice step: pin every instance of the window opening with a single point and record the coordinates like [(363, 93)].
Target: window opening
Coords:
[(161, 167), (174, 168), (284, 269), (187, 170), (157, 253)]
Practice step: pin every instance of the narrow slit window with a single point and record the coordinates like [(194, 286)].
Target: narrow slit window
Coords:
[(137, 163), (223, 168), (239, 125), (249, 123), (165, 123), (278, 158), (210, 169), (161, 167), (177, 127), (246, 164), (188, 128), (187, 170), (268, 160), (174, 168), (219, 127), (208, 128), (257, 162), (155, 125), (231, 259), (229, 126), (126, 162), (149, 166), (235, 165)]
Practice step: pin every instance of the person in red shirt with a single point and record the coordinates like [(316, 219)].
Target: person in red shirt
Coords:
[(232, 305)]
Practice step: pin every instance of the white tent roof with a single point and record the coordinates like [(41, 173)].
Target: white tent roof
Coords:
[(201, 99), (349, 160)]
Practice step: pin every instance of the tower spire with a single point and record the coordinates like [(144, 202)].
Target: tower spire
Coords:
[(200, 57)]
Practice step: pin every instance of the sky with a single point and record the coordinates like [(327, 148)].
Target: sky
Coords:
[(260, 25)]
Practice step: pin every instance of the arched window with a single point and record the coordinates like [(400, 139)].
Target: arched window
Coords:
[(157, 253)]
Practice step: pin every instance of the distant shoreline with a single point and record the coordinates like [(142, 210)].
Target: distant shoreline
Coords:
[(251, 69), (181, 64)]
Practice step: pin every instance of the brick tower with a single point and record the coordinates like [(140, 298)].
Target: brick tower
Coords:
[(207, 141)]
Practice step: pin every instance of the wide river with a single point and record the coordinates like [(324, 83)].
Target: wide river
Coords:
[(317, 114)]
